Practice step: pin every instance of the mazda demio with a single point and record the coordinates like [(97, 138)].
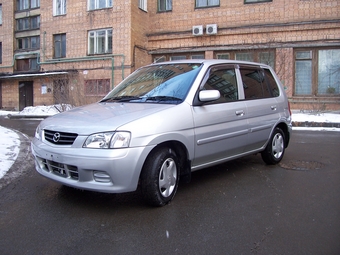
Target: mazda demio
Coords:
[(163, 122)]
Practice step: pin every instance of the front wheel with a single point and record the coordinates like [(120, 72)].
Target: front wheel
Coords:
[(275, 148), (160, 177)]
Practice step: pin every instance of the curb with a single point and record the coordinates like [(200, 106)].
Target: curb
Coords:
[(10, 116), (315, 124)]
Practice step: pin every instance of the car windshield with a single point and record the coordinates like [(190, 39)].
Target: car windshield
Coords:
[(163, 83)]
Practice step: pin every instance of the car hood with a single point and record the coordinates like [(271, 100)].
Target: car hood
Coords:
[(100, 117)]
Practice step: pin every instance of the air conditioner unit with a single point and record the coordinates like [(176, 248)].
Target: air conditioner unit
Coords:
[(197, 30), (211, 29)]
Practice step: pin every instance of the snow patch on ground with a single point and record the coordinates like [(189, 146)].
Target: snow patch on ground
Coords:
[(9, 149), (316, 117), (39, 110)]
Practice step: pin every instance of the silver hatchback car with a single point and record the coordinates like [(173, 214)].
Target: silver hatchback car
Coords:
[(164, 121)]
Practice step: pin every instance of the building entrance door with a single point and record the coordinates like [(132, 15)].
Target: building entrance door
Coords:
[(25, 94)]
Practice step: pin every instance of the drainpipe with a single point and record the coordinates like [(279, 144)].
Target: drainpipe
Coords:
[(44, 44)]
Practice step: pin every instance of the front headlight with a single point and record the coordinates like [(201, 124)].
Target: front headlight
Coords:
[(108, 140), (38, 133)]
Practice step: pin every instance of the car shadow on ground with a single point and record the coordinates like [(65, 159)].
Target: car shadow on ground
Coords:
[(202, 181)]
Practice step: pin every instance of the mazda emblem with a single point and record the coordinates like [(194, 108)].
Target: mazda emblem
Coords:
[(56, 137)]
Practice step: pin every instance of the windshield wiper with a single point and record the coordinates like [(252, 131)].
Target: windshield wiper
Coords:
[(121, 99), (163, 98)]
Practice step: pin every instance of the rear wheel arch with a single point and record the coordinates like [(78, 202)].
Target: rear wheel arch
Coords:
[(275, 149), (284, 128)]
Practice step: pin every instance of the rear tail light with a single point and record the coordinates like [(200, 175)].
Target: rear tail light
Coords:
[(290, 112)]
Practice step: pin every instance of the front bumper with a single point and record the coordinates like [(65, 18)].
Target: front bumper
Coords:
[(102, 170)]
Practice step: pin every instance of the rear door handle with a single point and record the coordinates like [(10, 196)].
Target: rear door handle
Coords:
[(239, 113), (273, 107)]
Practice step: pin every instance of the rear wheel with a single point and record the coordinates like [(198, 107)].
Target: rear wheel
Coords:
[(275, 149), (160, 177)]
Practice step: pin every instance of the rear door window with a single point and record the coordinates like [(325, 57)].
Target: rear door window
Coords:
[(254, 84)]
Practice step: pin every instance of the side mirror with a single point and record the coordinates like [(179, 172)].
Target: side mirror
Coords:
[(208, 95)]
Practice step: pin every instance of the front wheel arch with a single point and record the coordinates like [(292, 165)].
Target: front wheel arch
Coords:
[(160, 174)]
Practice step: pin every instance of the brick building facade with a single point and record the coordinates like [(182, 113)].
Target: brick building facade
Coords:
[(75, 51)]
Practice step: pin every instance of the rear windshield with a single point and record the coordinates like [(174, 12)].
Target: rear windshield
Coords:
[(163, 83)]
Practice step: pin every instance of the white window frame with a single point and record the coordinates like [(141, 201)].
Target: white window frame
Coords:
[(94, 38), (143, 4), (0, 14), (59, 7), (95, 4)]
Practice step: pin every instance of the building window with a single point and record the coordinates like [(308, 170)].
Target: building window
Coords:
[(256, 1), (143, 4), (0, 52), (328, 72), (59, 7), (32, 42), (244, 56), (59, 45), (198, 56), (99, 4), (28, 23), (97, 87), (164, 5), (35, 3), (178, 57), (29, 64), (303, 73), (0, 14), (159, 59), (207, 3), (317, 72), (223, 56), (100, 41), (27, 4), (265, 57)]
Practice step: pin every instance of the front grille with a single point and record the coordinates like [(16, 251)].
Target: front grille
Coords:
[(60, 138), (63, 170)]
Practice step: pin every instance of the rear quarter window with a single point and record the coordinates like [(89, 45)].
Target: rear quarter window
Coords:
[(273, 87)]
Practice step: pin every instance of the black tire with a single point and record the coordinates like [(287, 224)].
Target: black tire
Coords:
[(275, 148), (160, 177)]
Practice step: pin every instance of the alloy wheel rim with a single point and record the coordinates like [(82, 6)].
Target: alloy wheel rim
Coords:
[(277, 146), (167, 177)]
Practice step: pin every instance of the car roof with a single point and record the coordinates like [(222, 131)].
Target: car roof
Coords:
[(210, 62)]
